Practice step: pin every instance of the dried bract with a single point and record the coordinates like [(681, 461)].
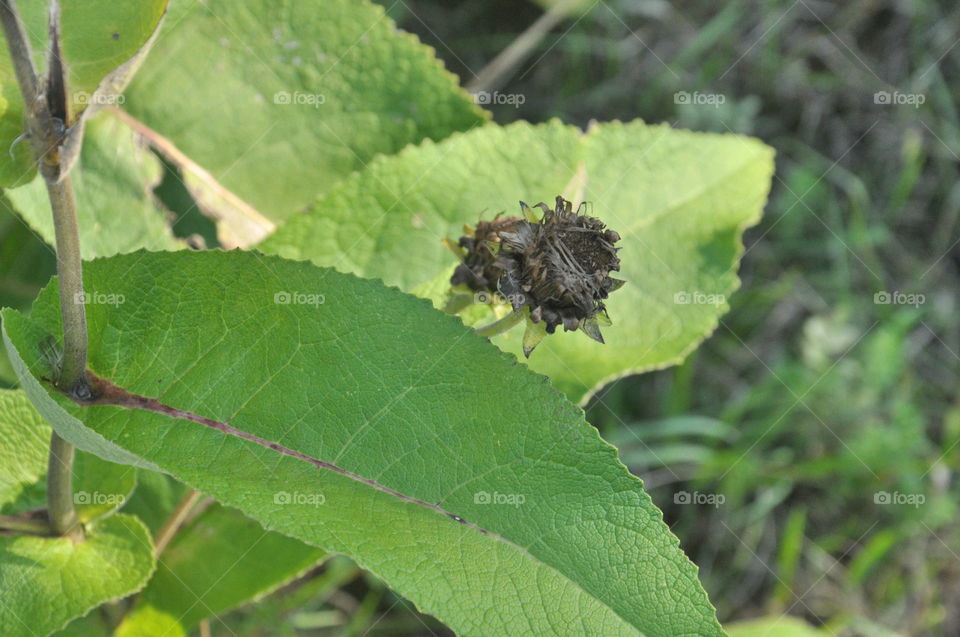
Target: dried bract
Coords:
[(477, 271)]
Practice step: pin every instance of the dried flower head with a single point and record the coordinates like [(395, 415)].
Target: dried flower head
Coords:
[(477, 271), (557, 267)]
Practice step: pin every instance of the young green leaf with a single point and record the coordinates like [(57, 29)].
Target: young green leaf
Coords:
[(279, 100), (47, 582), (363, 421), (679, 201)]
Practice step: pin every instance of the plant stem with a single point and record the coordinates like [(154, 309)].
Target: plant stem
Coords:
[(494, 73), (19, 49), (63, 517), (45, 132), (502, 325), (70, 272), (24, 525), (173, 523), (46, 135), (458, 303), (72, 378)]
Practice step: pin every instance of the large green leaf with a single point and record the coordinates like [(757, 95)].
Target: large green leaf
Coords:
[(464, 480), (101, 43), (116, 211), (679, 200), (99, 486), (280, 99), (217, 562), (46, 582)]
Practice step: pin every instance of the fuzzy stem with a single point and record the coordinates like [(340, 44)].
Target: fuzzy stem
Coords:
[(459, 302), (70, 273), (19, 49), (45, 132), (63, 517), (24, 525), (501, 325)]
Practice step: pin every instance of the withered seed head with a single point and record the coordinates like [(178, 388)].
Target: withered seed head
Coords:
[(558, 267), (478, 271)]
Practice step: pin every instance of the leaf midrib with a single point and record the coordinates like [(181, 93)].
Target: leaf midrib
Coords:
[(119, 397)]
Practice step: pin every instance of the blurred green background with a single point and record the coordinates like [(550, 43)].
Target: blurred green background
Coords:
[(805, 455)]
